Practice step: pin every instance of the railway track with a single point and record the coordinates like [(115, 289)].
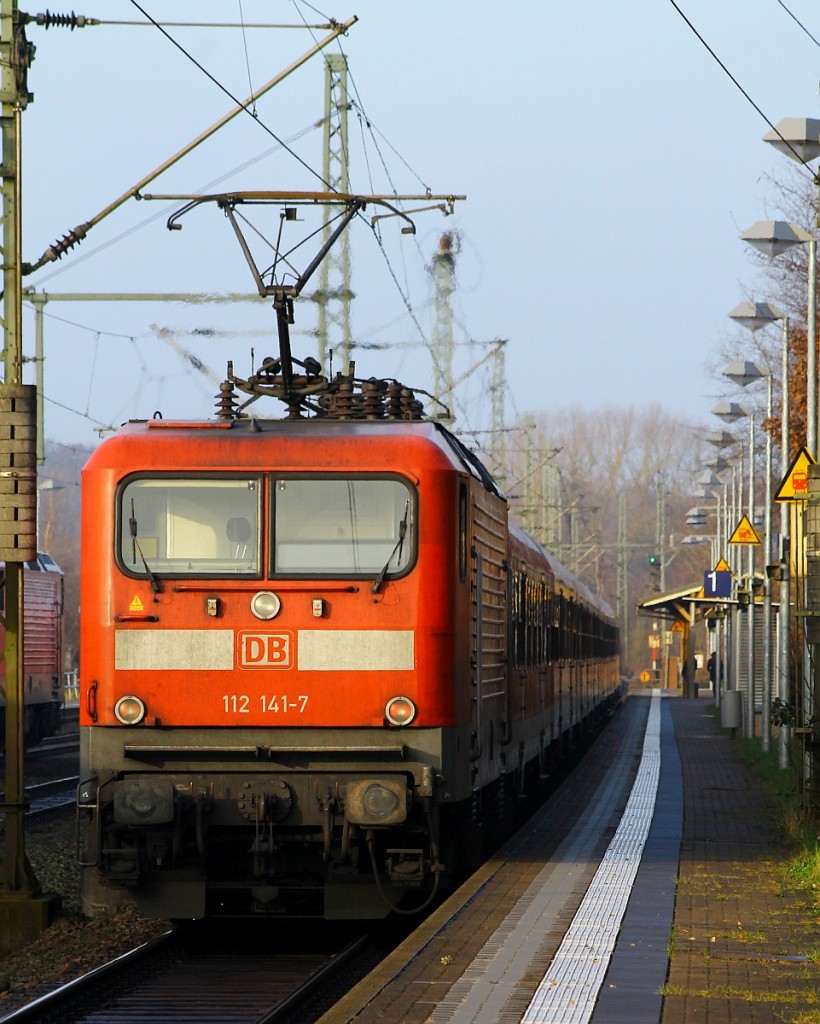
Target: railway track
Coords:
[(241, 974), (53, 746), (47, 798), (47, 749)]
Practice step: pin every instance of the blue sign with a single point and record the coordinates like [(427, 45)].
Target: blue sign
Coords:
[(717, 583)]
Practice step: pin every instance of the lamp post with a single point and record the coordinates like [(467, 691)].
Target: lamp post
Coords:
[(745, 374), (730, 412), (774, 237), (47, 486), (696, 517), (753, 316), (728, 637), (799, 139)]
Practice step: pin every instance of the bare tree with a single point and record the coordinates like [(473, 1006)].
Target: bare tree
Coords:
[(598, 482)]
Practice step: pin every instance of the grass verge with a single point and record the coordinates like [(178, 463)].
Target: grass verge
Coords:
[(799, 829)]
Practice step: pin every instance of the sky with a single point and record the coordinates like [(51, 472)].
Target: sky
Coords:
[(609, 165)]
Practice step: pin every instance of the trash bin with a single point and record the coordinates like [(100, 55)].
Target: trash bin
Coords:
[(731, 709)]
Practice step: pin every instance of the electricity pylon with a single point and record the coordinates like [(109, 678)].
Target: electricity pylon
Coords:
[(334, 294), (443, 269)]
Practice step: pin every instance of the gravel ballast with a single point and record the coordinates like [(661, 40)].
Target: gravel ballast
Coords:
[(73, 944)]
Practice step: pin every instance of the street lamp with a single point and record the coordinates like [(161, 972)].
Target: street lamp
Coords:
[(797, 137), (729, 412), (764, 314), (720, 438), (774, 237), (719, 463), (754, 315)]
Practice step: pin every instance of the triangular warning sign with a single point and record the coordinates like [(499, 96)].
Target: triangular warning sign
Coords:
[(722, 566), (744, 533), (136, 604), (795, 484)]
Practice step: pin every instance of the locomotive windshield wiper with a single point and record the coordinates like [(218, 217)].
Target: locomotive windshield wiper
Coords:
[(135, 547), (377, 583)]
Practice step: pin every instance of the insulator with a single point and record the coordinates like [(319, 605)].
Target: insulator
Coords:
[(226, 404), (394, 410), (371, 399), (71, 21), (67, 242), (411, 407), (343, 402)]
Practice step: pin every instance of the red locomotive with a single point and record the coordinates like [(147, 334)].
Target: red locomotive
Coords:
[(317, 662), (42, 647), (313, 654)]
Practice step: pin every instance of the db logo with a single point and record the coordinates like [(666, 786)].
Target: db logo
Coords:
[(265, 650)]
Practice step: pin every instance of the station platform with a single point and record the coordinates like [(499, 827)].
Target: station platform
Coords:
[(647, 890)]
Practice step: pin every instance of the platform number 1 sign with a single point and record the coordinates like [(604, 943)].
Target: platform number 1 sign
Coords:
[(717, 583)]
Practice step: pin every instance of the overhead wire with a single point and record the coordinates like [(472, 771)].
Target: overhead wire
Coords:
[(85, 327), (247, 56), (281, 142), (797, 21), (364, 121), (91, 375), (230, 95), (163, 211), (98, 424), (76, 412), (252, 112), (358, 106), (737, 84)]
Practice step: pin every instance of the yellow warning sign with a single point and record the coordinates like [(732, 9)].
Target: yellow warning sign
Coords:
[(744, 533), (795, 484), (722, 566), (136, 605)]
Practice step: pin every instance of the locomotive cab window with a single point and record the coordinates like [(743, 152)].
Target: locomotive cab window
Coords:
[(190, 526), (342, 526)]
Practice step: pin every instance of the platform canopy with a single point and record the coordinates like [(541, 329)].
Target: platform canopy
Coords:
[(677, 604)]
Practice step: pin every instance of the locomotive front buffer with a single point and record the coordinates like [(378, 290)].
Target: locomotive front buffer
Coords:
[(325, 843)]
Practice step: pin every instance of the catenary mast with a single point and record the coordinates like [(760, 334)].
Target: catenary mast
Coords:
[(334, 292)]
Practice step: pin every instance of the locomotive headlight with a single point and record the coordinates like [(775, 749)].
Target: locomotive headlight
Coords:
[(129, 710), (265, 604), (400, 711)]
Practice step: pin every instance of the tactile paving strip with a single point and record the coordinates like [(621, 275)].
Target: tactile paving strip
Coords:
[(568, 992)]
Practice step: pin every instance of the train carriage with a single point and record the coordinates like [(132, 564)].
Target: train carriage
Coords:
[(317, 661), (42, 646)]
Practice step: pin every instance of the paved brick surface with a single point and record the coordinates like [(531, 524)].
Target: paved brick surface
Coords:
[(739, 935), (743, 949), (414, 985)]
